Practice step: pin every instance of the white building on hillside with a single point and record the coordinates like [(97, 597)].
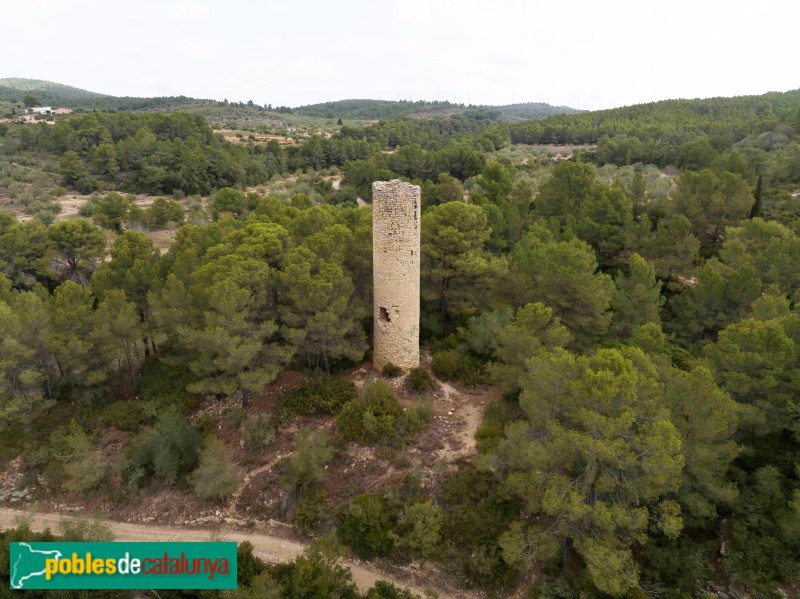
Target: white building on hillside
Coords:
[(39, 110)]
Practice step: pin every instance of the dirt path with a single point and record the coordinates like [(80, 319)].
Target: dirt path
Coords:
[(270, 548), (468, 406), (237, 494)]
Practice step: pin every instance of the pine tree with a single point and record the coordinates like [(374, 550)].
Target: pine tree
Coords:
[(756, 209), (637, 299)]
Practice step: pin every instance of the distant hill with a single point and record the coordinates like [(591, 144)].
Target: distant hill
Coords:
[(532, 110), (57, 94), (44, 89), (12, 89), (385, 109)]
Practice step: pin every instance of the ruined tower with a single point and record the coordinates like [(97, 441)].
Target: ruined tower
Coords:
[(396, 210)]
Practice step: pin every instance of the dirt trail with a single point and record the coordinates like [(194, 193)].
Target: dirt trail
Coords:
[(272, 549), (237, 494), (468, 405)]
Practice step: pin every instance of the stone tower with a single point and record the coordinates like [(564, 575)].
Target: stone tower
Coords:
[(396, 210)]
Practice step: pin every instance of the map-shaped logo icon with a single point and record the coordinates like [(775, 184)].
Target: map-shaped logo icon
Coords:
[(29, 563)]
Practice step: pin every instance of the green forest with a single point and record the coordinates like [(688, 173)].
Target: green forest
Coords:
[(624, 284)]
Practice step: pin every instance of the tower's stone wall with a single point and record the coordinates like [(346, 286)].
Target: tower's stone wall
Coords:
[(396, 213)]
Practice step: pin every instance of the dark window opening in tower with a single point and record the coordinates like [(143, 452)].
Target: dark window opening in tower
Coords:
[(384, 315)]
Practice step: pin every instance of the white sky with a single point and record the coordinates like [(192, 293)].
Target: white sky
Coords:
[(585, 54)]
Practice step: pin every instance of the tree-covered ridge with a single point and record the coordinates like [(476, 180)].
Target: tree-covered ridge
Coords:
[(56, 94), (531, 110), (387, 109), (685, 133), (19, 84), (375, 109)]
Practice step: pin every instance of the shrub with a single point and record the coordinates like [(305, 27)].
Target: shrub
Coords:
[(124, 415), (257, 432), (87, 210), (83, 465), (448, 364), (111, 211), (320, 395), (475, 513), (488, 436), (346, 196), (386, 590), (391, 370), (162, 212), (215, 476), (419, 528), (228, 200), (497, 414), (81, 528), (309, 510), (420, 380), (169, 449), (454, 365), (424, 408), (366, 526), (306, 468), (316, 573), (162, 381), (377, 417)]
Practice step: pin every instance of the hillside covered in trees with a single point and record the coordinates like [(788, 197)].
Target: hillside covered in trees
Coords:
[(626, 283), (385, 109), (57, 94)]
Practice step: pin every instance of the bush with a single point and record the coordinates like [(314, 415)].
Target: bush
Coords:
[(377, 417), (386, 590), (215, 476), (124, 415), (316, 573), (419, 528), (169, 449), (454, 365), (111, 211), (497, 414), (81, 528), (366, 526), (488, 436), (448, 364), (321, 395), (248, 566), (306, 468), (309, 510), (227, 200), (346, 196), (163, 212), (164, 382), (82, 464), (257, 432), (424, 408), (420, 380), (391, 371), (475, 512)]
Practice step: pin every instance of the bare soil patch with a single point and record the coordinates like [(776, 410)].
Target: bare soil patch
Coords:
[(246, 137)]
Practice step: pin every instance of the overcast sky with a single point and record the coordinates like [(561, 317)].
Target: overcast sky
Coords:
[(585, 54)]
